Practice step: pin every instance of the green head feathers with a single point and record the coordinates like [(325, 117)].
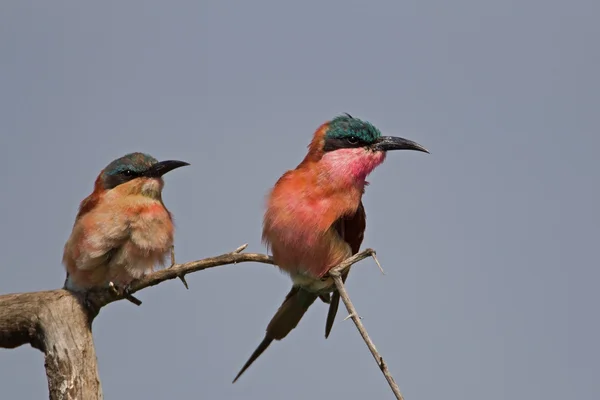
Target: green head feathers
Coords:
[(126, 168), (346, 132), (345, 126), (136, 163)]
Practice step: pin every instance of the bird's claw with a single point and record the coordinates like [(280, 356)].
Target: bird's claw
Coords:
[(125, 292)]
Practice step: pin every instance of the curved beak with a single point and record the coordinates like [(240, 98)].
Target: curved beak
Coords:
[(161, 168), (385, 143)]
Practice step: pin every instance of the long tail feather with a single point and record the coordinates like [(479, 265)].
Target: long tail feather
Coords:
[(287, 317), (259, 350)]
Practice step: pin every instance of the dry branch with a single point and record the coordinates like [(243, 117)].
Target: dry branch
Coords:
[(336, 274), (178, 271), (59, 322)]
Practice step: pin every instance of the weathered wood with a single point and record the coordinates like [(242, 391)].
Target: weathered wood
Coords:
[(57, 323)]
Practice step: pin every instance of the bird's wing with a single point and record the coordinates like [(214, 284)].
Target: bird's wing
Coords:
[(351, 229), (95, 240)]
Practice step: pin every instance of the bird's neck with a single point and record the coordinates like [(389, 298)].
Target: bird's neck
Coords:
[(151, 189), (307, 201), (350, 167), (146, 187)]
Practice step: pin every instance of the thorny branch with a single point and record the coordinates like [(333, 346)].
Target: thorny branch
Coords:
[(336, 274), (58, 322), (100, 298)]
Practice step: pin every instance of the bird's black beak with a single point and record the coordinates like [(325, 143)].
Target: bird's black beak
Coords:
[(385, 143), (161, 168)]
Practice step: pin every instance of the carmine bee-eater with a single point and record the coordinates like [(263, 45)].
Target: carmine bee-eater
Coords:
[(315, 217), (123, 229)]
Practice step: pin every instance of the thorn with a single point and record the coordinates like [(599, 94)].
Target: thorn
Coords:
[(240, 249), (350, 316), (127, 294), (133, 299), (172, 256), (377, 262), (182, 278)]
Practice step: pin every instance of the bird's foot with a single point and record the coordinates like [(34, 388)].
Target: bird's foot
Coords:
[(125, 292)]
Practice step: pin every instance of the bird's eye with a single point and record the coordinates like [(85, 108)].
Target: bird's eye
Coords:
[(352, 140), (128, 172)]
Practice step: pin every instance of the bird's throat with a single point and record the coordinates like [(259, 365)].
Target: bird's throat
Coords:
[(350, 166)]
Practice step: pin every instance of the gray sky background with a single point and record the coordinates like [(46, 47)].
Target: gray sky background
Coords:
[(489, 243)]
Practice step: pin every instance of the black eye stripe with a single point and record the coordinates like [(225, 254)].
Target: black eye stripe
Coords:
[(121, 177), (343, 143), (129, 173)]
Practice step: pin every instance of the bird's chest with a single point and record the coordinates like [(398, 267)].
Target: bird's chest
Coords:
[(308, 255), (300, 226), (151, 229)]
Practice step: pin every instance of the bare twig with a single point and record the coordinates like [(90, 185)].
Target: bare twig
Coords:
[(45, 319), (58, 323), (336, 274), (103, 297)]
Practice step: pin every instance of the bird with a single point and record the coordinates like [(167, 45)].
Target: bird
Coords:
[(123, 229), (315, 217)]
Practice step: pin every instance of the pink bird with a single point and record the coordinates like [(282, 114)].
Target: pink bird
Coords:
[(315, 217), (123, 229)]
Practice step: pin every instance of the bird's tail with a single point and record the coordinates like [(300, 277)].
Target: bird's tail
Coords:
[(287, 317)]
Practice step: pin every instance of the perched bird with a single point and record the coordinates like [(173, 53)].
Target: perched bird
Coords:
[(123, 229), (315, 217)]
